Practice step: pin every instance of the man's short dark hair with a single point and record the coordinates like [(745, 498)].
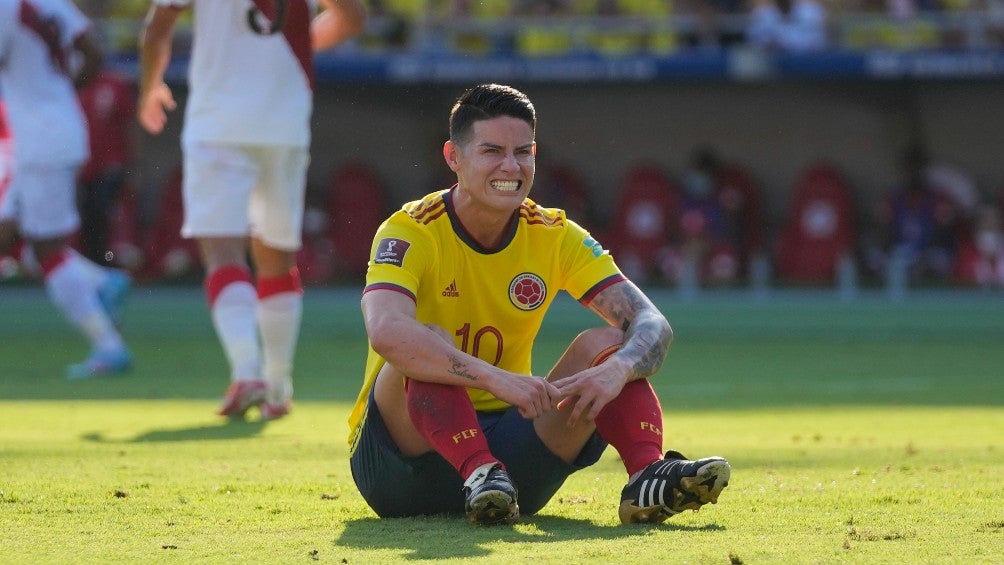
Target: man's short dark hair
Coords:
[(487, 101)]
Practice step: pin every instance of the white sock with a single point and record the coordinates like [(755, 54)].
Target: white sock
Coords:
[(72, 290), (233, 315), (279, 318)]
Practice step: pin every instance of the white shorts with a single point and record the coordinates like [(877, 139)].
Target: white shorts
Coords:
[(239, 190), (42, 200)]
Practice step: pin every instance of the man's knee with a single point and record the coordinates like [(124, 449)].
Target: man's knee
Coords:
[(222, 251), (589, 348), (597, 343)]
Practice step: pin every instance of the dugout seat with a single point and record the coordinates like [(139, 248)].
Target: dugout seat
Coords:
[(647, 203), (819, 231), (357, 204), (979, 253), (316, 257)]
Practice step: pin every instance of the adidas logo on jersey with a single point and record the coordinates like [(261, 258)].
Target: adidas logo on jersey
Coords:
[(451, 290)]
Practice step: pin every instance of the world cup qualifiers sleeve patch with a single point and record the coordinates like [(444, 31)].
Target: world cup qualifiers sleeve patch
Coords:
[(593, 245), (391, 250)]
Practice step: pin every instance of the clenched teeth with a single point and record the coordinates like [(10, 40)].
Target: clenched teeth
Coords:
[(506, 185)]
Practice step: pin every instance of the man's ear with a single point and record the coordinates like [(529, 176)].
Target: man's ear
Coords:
[(450, 154)]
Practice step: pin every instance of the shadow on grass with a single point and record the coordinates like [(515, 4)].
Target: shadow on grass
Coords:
[(422, 537), (228, 430)]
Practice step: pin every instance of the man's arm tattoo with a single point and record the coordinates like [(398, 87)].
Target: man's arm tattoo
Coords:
[(647, 335), (646, 340), (459, 368)]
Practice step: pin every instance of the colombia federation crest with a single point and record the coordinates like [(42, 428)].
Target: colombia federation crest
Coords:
[(527, 291)]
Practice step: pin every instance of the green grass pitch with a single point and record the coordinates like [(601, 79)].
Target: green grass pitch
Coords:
[(860, 432)]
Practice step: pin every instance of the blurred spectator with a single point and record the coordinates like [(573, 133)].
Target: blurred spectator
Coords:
[(951, 182), (464, 24), (788, 25), (892, 24), (981, 255), (116, 22), (742, 204), (714, 23), (540, 8), (109, 104), (700, 251), (627, 27), (390, 24), (995, 23), (544, 32), (917, 227)]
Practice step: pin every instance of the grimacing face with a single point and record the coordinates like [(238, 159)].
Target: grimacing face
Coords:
[(495, 167)]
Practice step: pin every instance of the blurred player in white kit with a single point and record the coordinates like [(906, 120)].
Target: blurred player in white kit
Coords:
[(245, 145), (47, 50)]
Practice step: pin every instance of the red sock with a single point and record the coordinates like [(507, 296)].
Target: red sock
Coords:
[(54, 261), (632, 423), (289, 282), (445, 417), (222, 277)]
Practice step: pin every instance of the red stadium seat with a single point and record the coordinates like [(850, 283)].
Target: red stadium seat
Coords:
[(316, 258), (357, 204), (819, 231), (979, 255), (646, 206)]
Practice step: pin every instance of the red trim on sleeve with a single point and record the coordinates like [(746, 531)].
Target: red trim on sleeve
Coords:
[(389, 286), (599, 287)]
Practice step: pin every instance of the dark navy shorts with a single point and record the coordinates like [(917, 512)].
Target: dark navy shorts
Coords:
[(394, 485)]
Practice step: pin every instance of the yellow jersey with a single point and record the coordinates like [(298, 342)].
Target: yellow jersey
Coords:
[(492, 301)]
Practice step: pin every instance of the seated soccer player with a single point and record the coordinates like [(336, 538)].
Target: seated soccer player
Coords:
[(450, 418)]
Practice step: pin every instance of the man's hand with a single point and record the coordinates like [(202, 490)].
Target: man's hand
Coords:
[(153, 107), (590, 390), (532, 396)]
